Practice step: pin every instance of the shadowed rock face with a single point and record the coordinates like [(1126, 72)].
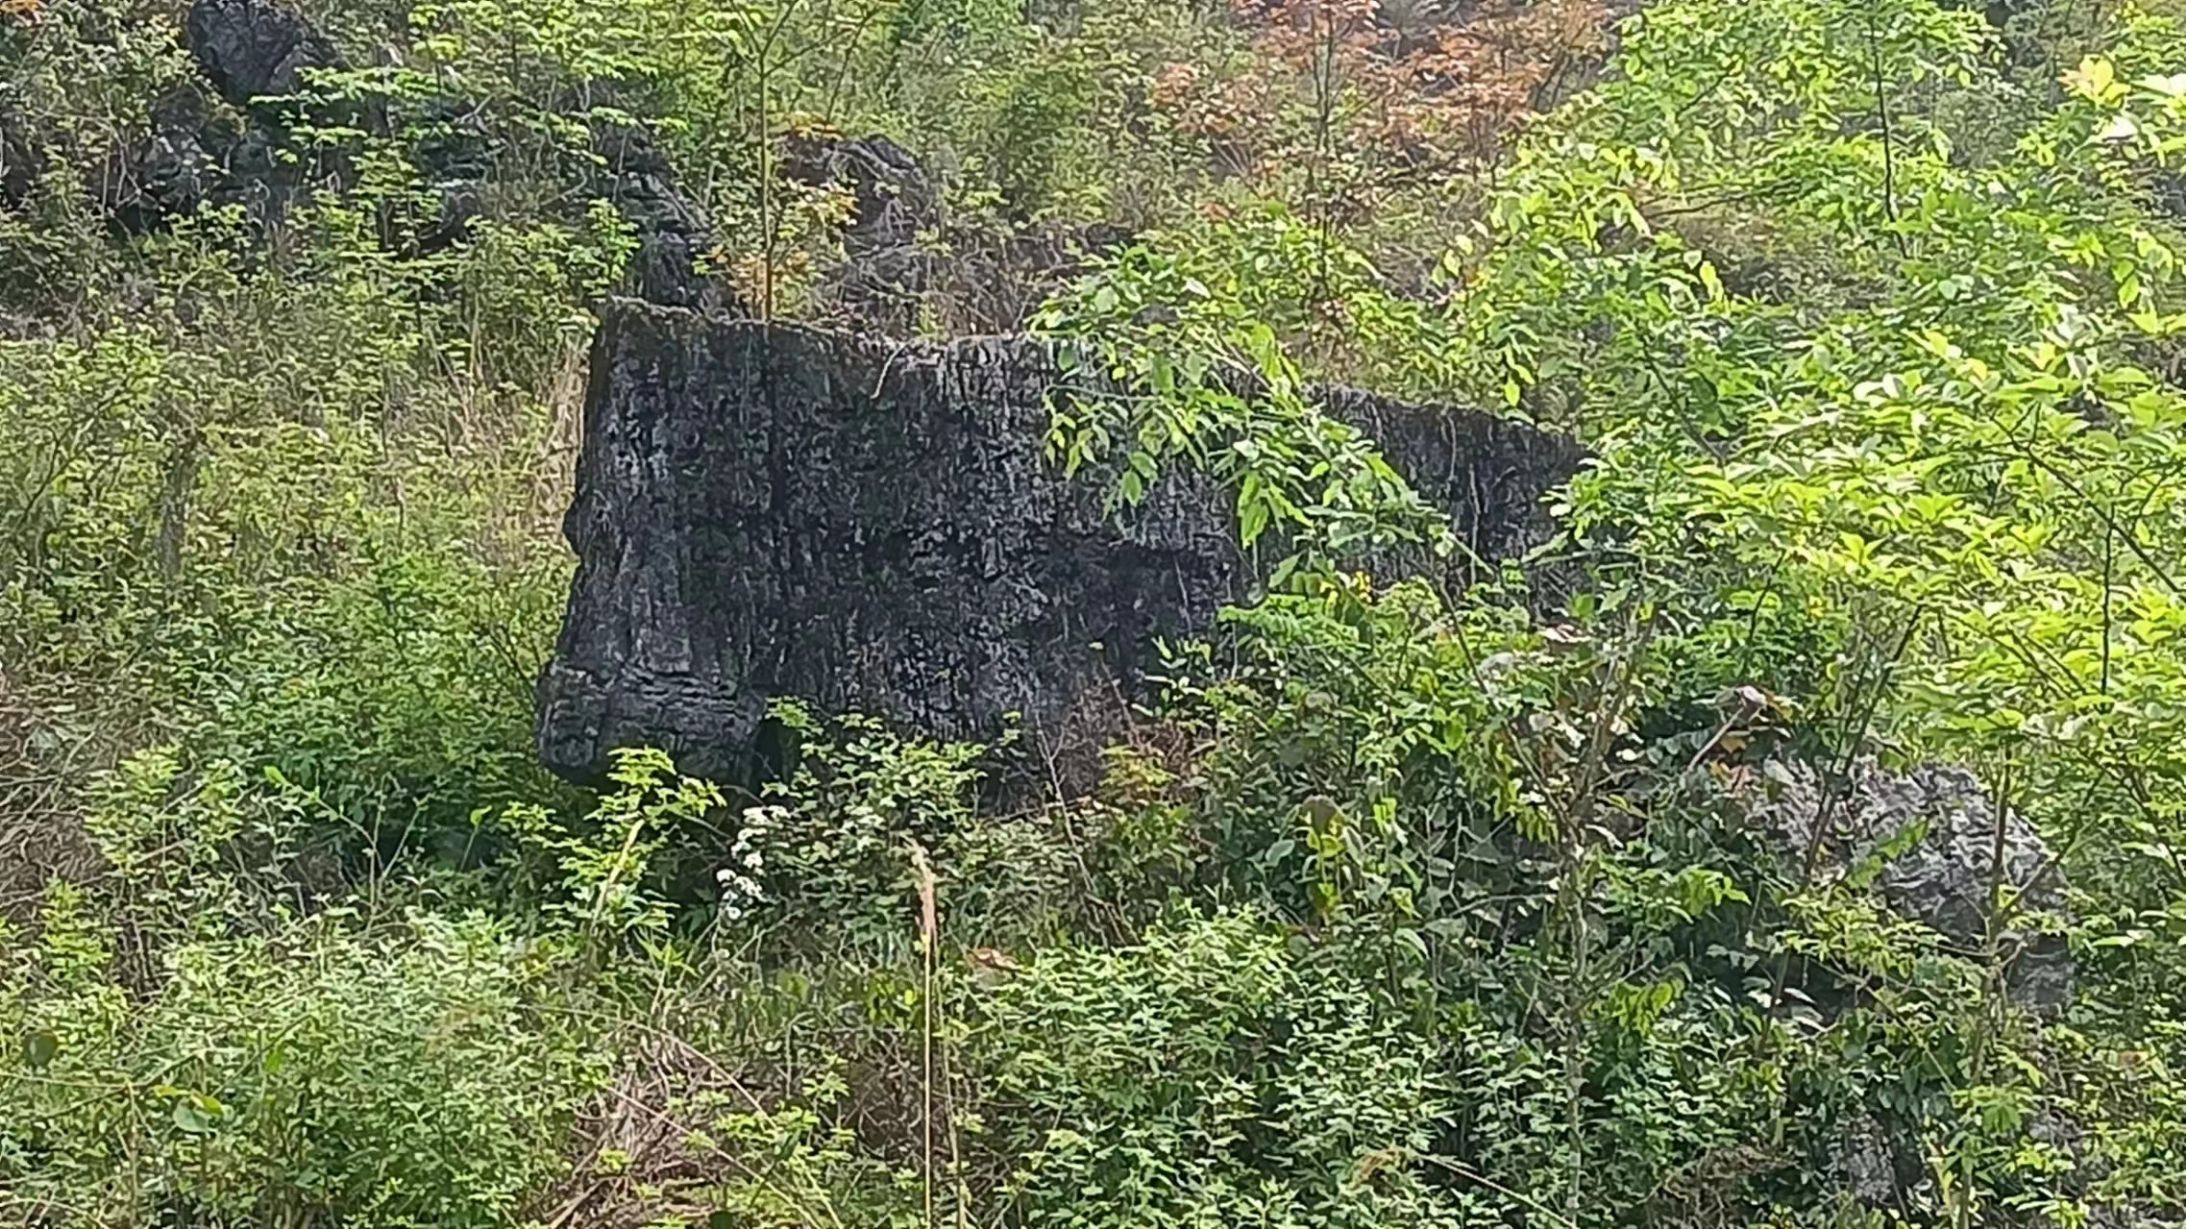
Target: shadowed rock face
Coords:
[(253, 53), (1929, 845), (765, 510), (671, 227), (21, 161), (249, 49), (196, 153), (884, 268)]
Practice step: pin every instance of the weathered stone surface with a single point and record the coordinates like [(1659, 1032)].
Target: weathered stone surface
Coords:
[(673, 231), (892, 197), (251, 49), (886, 268), (767, 511), (1941, 879), (198, 152), (908, 264), (21, 161)]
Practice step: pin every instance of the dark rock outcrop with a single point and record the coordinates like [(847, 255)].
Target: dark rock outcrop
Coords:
[(228, 141), (253, 49), (907, 264), (199, 152), (21, 161), (673, 231), (887, 265), (767, 511)]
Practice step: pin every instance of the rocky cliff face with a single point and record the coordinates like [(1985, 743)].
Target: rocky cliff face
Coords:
[(198, 152), (766, 510), (227, 136), (250, 49)]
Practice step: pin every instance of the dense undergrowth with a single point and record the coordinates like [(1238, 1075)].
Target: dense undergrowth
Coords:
[(1403, 909)]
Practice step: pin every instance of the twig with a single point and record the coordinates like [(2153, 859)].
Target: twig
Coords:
[(1889, 159), (1481, 1179), (929, 928)]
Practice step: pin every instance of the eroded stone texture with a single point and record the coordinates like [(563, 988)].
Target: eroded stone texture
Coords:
[(1931, 833), (228, 140), (225, 141), (885, 268), (672, 229), (766, 510), (250, 49), (21, 161), (1923, 842)]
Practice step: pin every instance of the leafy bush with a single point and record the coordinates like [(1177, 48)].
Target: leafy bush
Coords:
[(1206, 1075), (400, 1074)]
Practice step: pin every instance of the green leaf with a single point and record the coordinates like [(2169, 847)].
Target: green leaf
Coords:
[(39, 1049), (1252, 516), (197, 1113)]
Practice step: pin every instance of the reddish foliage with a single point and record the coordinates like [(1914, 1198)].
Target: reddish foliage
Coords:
[(1392, 93)]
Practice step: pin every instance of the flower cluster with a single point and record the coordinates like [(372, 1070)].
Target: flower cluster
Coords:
[(739, 879)]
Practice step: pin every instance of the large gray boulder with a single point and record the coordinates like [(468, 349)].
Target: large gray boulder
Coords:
[(1930, 839), (1925, 844), (767, 510)]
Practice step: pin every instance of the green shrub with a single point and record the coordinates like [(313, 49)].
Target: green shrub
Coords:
[(399, 1074), (1209, 1076)]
